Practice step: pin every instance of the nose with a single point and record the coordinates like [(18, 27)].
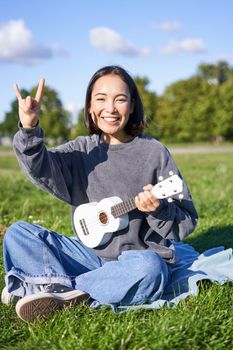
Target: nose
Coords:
[(110, 106)]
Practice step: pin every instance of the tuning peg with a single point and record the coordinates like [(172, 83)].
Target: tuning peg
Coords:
[(160, 178), (171, 172), (181, 196)]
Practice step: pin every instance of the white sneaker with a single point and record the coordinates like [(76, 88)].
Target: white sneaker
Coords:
[(8, 298), (44, 304)]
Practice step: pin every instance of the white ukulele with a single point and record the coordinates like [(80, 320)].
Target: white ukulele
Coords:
[(95, 222)]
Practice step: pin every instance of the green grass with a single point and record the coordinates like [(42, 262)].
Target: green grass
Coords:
[(202, 322)]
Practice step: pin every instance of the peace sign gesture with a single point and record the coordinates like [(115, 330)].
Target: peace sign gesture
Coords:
[(29, 107)]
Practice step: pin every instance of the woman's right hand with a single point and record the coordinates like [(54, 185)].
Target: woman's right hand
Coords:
[(29, 107)]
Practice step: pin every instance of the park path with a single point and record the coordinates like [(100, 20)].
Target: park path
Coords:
[(201, 149), (172, 149)]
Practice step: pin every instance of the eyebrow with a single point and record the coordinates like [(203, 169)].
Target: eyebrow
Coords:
[(102, 93)]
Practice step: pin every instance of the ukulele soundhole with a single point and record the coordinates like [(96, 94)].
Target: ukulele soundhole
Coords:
[(103, 218)]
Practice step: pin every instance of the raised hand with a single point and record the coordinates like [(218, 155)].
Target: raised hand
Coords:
[(29, 107)]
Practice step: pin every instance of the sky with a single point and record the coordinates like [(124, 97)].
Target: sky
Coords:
[(66, 41)]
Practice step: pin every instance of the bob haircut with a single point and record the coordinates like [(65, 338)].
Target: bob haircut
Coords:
[(136, 122)]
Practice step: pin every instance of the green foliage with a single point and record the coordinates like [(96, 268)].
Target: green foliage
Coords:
[(192, 110), (185, 111), (223, 101), (55, 120), (10, 124), (198, 108), (218, 73), (79, 129), (149, 100)]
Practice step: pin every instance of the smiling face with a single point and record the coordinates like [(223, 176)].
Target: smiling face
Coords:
[(110, 107)]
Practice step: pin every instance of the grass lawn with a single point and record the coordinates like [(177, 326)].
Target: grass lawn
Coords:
[(202, 322)]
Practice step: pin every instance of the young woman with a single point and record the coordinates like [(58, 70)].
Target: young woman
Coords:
[(46, 270)]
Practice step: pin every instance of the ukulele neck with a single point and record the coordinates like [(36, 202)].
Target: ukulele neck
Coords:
[(122, 208)]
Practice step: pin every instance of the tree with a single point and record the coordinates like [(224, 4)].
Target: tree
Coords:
[(185, 111), (55, 120), (79, 129), (215, 73), (10, 124), (223, 100), (149, 100)]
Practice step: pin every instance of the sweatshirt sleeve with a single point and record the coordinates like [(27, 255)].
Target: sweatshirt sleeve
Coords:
[(46, 169), (175, 219)]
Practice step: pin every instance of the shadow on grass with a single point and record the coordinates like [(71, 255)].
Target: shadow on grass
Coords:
[(213, 237)]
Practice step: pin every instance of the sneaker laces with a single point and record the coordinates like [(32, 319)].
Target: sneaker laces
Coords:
[(54, 288)]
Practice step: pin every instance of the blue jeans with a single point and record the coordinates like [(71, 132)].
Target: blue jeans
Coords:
[(34, 255)]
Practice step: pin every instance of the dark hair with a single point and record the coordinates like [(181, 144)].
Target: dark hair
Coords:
[(135, 124)]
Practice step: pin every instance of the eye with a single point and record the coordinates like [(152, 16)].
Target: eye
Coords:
[(121, 100), (101, 99)]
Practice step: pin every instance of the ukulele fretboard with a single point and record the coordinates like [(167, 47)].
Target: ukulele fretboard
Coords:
[(122, 208)]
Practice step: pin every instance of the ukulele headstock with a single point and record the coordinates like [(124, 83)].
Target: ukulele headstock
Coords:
[(170, 187)]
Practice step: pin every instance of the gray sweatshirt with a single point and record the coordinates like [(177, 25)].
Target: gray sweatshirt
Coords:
[(87, 169)]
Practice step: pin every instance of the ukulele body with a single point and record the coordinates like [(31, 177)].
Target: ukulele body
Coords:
[(94, 222)]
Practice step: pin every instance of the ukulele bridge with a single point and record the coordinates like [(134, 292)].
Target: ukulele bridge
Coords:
[(84, 227)]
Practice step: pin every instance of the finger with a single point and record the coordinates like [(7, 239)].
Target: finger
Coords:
[(139, 205), (40, 90), (28, 101), (138, 201), (145, 196), (143, 200), (144, 208), (148, 199), (148, 187), (153, 200), (17, 92)]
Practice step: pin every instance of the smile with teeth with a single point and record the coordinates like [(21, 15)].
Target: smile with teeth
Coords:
[(111, 119)]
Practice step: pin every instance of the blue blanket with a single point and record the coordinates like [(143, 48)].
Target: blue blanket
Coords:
[(214, 264)]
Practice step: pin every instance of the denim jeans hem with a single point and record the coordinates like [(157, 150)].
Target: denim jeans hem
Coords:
[(15, 281)]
